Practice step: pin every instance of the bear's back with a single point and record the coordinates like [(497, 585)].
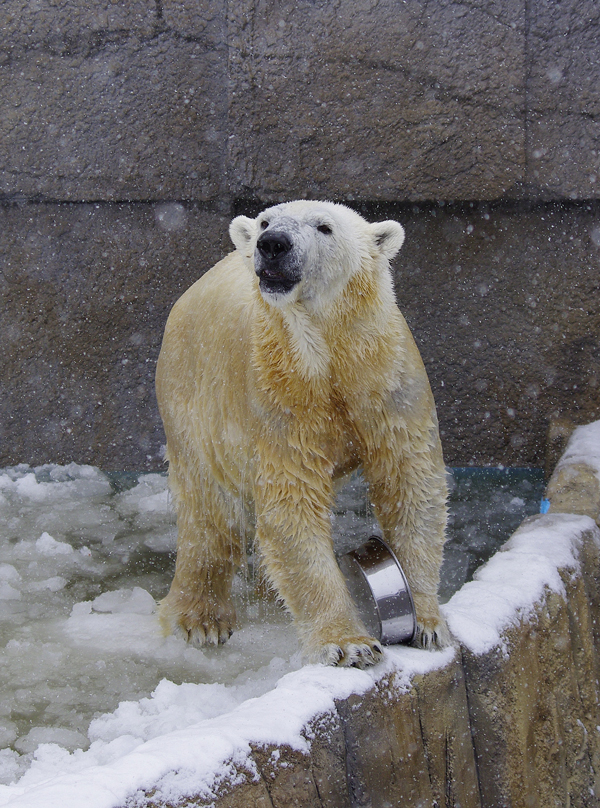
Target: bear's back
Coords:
[(203, 362)]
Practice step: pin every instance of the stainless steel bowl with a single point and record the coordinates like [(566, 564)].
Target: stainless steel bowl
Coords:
[(380, 590)]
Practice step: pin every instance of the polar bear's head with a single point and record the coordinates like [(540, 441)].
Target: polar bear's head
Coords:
[(307, 251)]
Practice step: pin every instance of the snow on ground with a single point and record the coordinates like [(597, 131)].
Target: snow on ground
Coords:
[(80, 567), (96, 703), (193, 760)]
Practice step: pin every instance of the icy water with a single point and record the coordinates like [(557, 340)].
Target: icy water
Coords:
[(85, 555)]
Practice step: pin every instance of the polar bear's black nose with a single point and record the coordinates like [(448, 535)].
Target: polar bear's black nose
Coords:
[(273, 245)]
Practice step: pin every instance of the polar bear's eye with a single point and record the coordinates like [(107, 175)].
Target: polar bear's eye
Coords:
[(264, 225), (324, 228)]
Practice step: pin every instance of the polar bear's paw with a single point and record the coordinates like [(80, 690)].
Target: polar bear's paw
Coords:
[(352, 652), (432, 632), (198, 626), (432, 635), (209, 632), (432, 638)]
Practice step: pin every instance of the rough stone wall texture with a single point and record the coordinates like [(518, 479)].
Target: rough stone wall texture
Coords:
[(222, 107), (563, 99), (534, 703), (363, 100), (86, 290), (503, 306), (383, 749), (101, 103), (574, 486)]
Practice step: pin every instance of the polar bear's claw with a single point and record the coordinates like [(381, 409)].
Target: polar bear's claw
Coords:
[(356, 653), (200, 636), (432, 632), (432, 638), (196, 629)]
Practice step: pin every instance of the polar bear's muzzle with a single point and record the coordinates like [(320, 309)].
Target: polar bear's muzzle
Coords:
[(276, 263)]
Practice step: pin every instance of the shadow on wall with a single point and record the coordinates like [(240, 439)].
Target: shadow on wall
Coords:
[(500, 301)]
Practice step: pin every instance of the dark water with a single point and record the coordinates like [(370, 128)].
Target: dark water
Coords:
[(486, 506)]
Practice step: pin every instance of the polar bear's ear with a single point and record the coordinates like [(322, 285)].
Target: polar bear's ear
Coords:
[(389, 237), (241, 231)]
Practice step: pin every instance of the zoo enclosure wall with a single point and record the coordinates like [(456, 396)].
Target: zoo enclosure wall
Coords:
[(132, 133)]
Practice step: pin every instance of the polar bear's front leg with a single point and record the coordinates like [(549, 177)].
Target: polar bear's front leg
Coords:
[(407, 486), (198, 606), (306, 575), (294, 536)]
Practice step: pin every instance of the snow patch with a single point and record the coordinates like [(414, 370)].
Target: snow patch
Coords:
[(187, 738), (583, 447), (506, 589)]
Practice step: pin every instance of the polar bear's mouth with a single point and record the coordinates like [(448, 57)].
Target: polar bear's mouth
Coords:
[(275, 263), (273, 281)]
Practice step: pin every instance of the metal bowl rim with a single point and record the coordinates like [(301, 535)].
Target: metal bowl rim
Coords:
[(398, 567)]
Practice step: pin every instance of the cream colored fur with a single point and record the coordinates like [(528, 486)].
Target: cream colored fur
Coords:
[(268, 398)]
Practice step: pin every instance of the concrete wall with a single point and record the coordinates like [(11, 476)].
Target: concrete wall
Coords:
[(131, 133)]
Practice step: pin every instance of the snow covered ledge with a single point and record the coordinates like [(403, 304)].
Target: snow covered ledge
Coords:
[(528, 627), (508, 718)]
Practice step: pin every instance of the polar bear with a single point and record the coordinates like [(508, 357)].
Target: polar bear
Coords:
[(284, 368)]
